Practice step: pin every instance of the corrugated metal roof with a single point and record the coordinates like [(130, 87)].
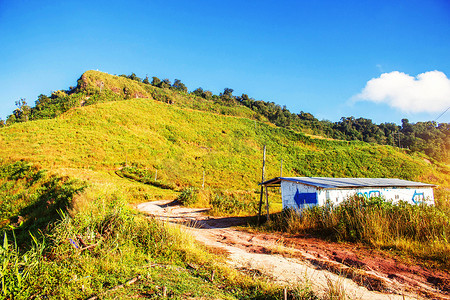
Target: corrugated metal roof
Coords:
[(333, 183)]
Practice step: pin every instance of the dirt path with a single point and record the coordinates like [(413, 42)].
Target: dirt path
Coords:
[(362, 273)]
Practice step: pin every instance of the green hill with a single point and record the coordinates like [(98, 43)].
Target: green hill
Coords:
[(182, 140), (169, 140), (93, 87)]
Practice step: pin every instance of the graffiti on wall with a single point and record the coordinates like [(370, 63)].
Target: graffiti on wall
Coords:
[(418, 197), (370, 194)]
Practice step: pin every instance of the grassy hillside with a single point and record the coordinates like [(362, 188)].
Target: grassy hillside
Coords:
[(175, 144), (94, 87), (72, 241), (181, 143)]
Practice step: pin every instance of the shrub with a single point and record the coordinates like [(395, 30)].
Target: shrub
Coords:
[(144, 176), (233, 203), (189, 196)]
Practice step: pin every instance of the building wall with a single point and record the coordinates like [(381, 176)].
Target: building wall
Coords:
[(298, 196), (289, 190)]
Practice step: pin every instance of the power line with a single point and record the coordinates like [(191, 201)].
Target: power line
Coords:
[(442, 113)]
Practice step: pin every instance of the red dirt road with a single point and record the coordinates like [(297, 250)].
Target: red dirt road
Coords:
[(363, 273)]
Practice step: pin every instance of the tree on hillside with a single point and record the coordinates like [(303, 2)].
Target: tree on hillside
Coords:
[(407, 128), (198, 92), (390, 131), (156, 81), (11, 119), (58, 94), (146, 81), (208, 95), (165, 84), (228, 92), (179, 86), (245, 100), (21, 113), (134, 77), (244, 97), (307, 116), (227, 96), (2, 123), (42, 101)]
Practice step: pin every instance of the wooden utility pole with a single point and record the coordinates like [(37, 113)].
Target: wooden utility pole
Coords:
[(281, 168), (203, 182), (262, 186), (267, 203), (156, 174)]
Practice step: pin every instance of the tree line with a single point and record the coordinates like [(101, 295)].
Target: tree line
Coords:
[(428, 137)]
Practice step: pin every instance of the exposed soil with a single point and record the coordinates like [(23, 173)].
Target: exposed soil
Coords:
[(362, 272)]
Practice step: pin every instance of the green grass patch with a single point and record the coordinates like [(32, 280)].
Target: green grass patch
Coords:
[(145, 176), (30, 198)]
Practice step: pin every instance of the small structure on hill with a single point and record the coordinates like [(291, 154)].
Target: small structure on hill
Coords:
[(301, 192)]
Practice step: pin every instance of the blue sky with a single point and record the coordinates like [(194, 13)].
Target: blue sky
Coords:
[(313, 56)]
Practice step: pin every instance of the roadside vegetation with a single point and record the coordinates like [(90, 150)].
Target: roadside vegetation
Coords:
[(415, 231), (221, 203), (96, 244)]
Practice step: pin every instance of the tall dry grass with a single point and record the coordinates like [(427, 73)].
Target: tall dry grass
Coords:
[(419, 230)]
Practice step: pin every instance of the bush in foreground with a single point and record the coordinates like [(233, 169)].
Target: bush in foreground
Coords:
[(102, 243)]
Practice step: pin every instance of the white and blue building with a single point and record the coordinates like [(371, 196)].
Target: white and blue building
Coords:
[(302, 192)]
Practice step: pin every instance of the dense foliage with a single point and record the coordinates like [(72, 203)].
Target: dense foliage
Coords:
[(429, 137)]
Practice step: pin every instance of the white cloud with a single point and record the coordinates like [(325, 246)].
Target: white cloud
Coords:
[(428, 92)]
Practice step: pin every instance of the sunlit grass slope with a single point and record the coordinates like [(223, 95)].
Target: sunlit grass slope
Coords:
[(181, 143), (68, 242)]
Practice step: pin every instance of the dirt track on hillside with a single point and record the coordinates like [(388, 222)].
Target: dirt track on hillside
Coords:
[(363, 273)]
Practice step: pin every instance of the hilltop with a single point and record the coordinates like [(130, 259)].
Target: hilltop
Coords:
[(430, 138), (181, 135)]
